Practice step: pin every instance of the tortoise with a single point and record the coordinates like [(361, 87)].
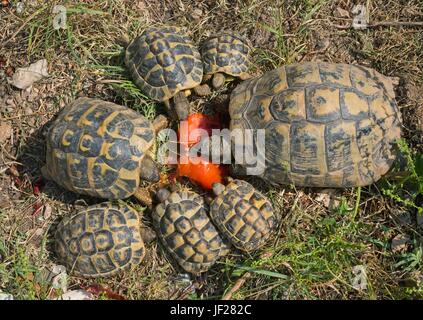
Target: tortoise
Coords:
[(325, 124), (242, 214), (225, 53), (182, 223), (165, 64), (100, 240), (100, 149)]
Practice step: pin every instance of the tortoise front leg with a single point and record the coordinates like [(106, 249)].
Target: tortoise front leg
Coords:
[(181, 105), (159, 123), (144, 196), (170, 111)]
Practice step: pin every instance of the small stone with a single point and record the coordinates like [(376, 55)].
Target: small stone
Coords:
[(28, 111), (24, 77), (20, 7), (6, 131), (10, 102), (6, 296), (400, 243), (47, 211), (341, 13), (360, 280)]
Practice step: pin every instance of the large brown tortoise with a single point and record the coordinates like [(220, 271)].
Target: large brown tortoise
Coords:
[(325, 124)]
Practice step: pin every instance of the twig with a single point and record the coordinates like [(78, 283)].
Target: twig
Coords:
[(384, 24), (238, 284)]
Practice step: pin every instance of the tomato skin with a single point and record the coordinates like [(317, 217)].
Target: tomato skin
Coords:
[(188, 135), (205, 173)]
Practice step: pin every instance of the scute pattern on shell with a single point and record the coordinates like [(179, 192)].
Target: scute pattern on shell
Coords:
[(100, 240), (326, 125), (186, 230), (227, 53), (95, 148), (243, 215), (163, 61)]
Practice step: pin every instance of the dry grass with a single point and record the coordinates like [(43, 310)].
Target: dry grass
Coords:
[(316, 247)]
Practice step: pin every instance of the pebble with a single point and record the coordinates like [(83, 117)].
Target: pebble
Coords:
[(10, 102)]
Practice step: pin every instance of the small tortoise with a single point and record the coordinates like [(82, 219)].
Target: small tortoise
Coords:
[(100, 240), (243, 215), (184, 227), (225, 53), (165, 64), (98, 148), (325, 125)]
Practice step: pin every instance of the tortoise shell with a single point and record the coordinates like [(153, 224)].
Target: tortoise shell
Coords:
[(326, 125), (243, 215), (163, 61), (95, 148), (227, 52), (184, 227), (100, 240)]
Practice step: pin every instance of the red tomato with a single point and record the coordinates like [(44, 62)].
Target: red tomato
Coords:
[(188, 134), (204, 173)]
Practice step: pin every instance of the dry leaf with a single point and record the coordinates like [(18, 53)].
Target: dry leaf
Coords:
[(5, 131)]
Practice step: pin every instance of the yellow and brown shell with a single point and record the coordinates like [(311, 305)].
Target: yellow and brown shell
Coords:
[(185, 229), (326, 125), (163, 61), (226, 52), (243, 215), (100, 240), (95, 148)]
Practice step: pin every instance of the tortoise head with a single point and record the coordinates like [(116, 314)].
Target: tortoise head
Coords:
[(162, 194)]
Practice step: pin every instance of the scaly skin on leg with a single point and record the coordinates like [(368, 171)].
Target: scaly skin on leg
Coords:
[(202, 90), (144, 196), (181, 105), (206, 77), (159, 123), (170, 111), (218, 80)]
